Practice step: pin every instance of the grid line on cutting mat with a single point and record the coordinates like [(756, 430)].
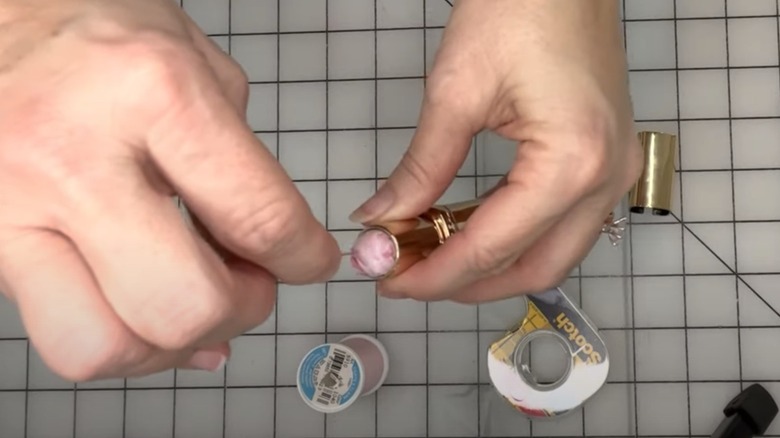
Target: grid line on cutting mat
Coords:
[(659, 351), (633, 409), (278, 142), (682, 249)]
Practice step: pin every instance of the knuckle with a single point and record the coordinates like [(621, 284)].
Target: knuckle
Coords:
[(595, 168), (258, 316), (159, 65), (154, 72), (540, 275), (60, 163), (239, 79), (446, 89), (177, 326), (421, 173), (635, 164), (591, 167), (234, 80), (77, 369), (240, 91), (441, 91), (490, 260), (543, 280), (268, 229), (101, 351)]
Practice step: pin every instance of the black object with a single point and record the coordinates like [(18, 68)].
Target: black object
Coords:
[(749, 414)]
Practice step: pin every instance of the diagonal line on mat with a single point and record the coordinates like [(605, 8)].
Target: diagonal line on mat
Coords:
[(739, 277)]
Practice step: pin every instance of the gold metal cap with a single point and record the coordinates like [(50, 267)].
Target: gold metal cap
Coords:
[(653, 190)]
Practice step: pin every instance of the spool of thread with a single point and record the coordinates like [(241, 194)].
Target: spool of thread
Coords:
[(333, 376)]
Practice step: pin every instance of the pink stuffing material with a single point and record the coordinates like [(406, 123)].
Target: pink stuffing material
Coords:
[(373, 254)]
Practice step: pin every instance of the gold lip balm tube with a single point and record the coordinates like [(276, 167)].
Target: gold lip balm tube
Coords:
[(386, 250), (404, 243)]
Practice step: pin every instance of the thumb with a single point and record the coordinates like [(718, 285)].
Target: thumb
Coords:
[(437, 151)]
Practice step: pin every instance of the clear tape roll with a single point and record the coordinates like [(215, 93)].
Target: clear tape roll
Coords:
[(549, 313)]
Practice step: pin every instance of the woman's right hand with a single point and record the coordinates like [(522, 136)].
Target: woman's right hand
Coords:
[(108, 110)]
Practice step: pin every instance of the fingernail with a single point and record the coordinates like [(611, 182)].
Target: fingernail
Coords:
[(208, 361), (390, 295), (376, 205)]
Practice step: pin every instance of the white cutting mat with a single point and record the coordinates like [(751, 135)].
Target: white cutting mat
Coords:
[(336, 88)]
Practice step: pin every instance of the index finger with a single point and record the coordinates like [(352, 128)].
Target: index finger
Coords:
[(238, 190)]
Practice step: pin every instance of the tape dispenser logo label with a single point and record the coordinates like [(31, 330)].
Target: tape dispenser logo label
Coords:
[(584, 348)]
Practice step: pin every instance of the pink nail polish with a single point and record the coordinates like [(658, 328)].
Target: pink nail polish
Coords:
[(208, 361)]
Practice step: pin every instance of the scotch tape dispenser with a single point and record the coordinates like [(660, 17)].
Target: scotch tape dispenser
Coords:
[(550, 314)]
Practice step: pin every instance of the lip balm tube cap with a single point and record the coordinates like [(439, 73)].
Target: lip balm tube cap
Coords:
[(653, 189)]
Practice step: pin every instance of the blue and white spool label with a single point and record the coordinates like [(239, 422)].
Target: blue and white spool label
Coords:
[(329, 377)]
